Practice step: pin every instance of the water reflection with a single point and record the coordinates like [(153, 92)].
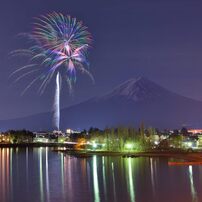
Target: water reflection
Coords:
[(68, 169), (193, 190), (42, 175), (104, 177), (131, 183), (10, 170), (27, 169), (47, 176), (62, 172), (5, 181), (153, 172), (95, 180)]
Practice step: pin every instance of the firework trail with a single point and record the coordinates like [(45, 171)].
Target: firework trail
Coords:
[(59, 48), (57, 102)]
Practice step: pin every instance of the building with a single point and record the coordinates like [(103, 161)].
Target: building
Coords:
[(195, 131), (70, 131)]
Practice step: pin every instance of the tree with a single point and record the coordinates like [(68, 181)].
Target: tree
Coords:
[(184, 131)]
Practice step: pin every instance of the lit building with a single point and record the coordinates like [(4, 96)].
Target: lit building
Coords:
[(40, 140), (70, 131), (195, 131)]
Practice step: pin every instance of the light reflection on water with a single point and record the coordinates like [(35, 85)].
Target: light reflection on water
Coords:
[(95, 180), (131, 183), (193, 191), (47, 177), (39, 174)]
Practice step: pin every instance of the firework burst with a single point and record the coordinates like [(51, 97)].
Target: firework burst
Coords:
[(59, 48)]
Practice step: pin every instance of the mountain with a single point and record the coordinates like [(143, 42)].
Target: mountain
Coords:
[(131, 103)]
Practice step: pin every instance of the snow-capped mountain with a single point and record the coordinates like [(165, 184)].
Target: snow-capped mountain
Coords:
[(131, 103), (138, 89)]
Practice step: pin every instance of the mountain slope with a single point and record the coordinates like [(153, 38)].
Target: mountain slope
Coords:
[(132, 102)]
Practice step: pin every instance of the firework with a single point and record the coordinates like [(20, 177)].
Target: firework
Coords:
[(59, 48)]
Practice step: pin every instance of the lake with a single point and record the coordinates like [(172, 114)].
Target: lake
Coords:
[(38, 174)]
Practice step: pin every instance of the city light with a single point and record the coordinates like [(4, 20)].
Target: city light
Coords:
[(94, 145), (129, 146)]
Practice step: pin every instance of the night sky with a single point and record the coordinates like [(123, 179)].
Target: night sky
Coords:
[(158, 39)]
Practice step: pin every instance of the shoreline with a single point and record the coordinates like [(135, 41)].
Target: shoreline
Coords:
[(176, 154), (193, 156), (31, 145)]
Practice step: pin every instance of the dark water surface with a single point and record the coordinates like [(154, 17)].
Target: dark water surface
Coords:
[(38, 174)]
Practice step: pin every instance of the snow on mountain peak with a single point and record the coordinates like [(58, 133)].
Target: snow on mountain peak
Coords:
[(138, 89)]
